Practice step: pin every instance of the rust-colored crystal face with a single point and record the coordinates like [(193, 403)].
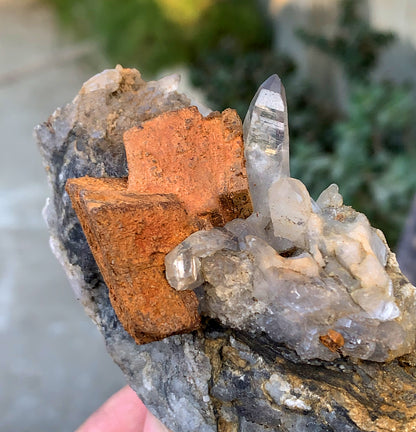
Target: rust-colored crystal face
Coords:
[(186, 172), (198, 159)]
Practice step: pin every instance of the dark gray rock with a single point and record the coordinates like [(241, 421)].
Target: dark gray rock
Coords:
[(215, 379)]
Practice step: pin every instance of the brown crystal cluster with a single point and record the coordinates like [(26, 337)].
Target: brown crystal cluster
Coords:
[(186, 173)]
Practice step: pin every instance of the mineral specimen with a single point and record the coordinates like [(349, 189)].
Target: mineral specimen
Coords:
[(299, 269), (220, 378)]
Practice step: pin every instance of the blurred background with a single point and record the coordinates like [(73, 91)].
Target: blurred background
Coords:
[(349, 71)]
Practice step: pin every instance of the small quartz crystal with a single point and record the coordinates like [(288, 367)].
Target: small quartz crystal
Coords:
[(296, 269), (330, 197), (183, 264)]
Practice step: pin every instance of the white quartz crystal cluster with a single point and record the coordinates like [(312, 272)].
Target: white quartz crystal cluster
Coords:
[(297, 269)]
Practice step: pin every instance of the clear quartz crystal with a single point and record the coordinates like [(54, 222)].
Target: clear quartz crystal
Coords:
[(183, 268), (183, 265), (266, 140), (296, 269), (108, 79), (330, 197)]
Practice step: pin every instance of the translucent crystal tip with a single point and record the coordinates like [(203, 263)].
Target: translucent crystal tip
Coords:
[(273, 83)]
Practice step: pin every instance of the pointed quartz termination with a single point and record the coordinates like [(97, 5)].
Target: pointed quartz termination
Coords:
[(266, 141)]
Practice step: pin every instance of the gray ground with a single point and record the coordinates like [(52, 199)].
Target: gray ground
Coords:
[(54, 370)]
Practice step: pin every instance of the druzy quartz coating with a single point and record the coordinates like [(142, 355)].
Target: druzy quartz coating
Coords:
[(296, 269)]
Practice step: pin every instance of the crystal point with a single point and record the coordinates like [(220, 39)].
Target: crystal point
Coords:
[(266, 140)]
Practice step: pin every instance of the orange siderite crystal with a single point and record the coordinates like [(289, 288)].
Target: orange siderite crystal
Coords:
[(186, 172)]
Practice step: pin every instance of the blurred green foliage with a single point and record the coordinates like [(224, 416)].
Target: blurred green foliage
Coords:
[(230, 74), (372, 151), (356, 46), (156, 34), (367, 148), (375, 153), (372, 157)]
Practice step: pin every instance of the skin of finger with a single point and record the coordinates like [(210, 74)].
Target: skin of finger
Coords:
[(123, 412), (152, 424)]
